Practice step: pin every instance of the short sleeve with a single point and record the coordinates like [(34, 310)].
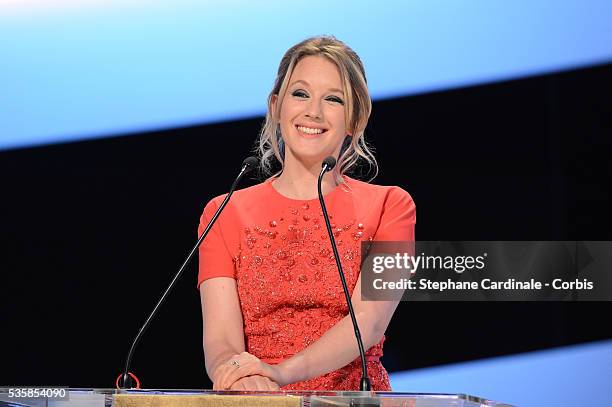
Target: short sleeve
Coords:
[(215, 259), (398, 217)]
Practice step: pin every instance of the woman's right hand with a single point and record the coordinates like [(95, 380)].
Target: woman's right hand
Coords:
[(255, 382)]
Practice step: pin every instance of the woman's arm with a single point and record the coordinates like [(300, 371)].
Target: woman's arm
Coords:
[(224, 333), (338, 346), (222, 321), (335, 349)]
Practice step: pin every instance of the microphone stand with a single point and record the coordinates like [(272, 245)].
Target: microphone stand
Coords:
[(365, 385), (124, 380)]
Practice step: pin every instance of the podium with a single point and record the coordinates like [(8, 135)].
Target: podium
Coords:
[(209, 398)]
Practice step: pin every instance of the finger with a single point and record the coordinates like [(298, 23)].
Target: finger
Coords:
[(262, 383), (247, 369), (235, 386), (221, 381), (239, 385), (216, 383), (224, 370), (251, 383), (220, 376), (247, 366), (244, 370), (257, 382), (273, 386), (266, 384)]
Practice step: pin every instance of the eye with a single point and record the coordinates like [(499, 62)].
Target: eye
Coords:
[(299, 93), (335, 99)]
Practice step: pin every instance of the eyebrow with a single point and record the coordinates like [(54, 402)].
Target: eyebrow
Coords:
[(307, 84)]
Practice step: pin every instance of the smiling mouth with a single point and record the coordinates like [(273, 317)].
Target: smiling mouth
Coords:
[(311, 131)]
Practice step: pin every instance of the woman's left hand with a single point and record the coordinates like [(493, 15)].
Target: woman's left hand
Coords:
[(247, 364)]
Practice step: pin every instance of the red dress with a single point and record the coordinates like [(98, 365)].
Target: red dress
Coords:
[(278, 251)]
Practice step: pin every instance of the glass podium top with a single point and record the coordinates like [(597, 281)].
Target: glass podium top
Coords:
[(29, 397)]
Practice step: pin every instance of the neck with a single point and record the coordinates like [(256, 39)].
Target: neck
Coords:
[(300, 182)]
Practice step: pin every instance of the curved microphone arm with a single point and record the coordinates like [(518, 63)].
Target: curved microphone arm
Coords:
[(125, 379), (365, 385)]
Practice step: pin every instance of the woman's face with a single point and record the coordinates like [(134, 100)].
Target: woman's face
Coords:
[(312, 113)]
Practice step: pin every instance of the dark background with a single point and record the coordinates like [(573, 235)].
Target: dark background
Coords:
[(92, 232)]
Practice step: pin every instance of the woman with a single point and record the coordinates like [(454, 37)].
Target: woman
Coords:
[(272, 303)]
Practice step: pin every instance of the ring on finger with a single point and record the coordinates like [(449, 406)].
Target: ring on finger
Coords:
[(235, 363)]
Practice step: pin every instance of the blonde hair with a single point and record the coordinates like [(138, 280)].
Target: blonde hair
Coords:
[(357, 108)]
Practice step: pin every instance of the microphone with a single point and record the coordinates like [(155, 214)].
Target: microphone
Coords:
[(124, 380), (328, 164)]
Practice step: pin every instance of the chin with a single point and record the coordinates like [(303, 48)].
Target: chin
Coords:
[(311, 156)]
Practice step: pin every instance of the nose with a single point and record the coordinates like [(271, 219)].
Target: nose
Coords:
[(314, 110)]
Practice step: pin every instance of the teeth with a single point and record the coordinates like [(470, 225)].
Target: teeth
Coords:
[(309, 130)]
